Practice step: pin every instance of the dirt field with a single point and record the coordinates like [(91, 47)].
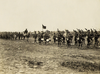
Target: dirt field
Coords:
[(22, 57)]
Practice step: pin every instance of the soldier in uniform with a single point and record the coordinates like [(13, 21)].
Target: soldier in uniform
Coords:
[(59, 38), (26, 31), (89, 38), (54, 37), (80, 40), (96, 39), (63, 39), (35, 36), (19, 35), (39, 37), (46, 37)]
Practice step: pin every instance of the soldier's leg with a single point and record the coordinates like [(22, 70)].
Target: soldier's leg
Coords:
[(35, 40), (58, 43), (54, 40)]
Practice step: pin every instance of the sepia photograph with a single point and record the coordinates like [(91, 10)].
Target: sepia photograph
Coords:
[(49, 36)]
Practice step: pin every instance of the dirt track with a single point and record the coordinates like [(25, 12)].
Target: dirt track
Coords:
[(22, 57)]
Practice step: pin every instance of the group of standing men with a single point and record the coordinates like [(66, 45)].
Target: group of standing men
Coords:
[(80, 37)]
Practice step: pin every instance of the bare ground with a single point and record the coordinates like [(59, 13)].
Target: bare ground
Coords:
[(22, 57)]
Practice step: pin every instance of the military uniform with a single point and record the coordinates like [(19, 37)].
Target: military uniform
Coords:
[(59, 39), (54, 38)]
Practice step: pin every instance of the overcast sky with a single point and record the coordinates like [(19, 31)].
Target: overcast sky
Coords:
[(17, 15)]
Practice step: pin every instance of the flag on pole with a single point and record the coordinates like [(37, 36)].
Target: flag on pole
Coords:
[(95, 31), (75, 31), (85, 29), (91, 31), (44, 27), (58, 31), (67, 31)]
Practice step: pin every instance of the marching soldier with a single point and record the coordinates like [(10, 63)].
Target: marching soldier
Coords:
[(26, 31), (35, 36), (54, 37)]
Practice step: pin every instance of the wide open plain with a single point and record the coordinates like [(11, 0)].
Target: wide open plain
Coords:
[(22, 57)]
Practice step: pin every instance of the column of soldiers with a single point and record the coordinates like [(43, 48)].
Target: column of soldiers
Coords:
[(41, 36), (80, 37), (14, 35), (77, 37)]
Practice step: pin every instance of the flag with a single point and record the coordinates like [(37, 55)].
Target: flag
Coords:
[(67, 31), (74, 31), (58, 31), (85, 29), (95, 31), (91, 31), (44, 27), (79, 30)]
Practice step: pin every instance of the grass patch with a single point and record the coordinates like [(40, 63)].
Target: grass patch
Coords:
[(82, 66)]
